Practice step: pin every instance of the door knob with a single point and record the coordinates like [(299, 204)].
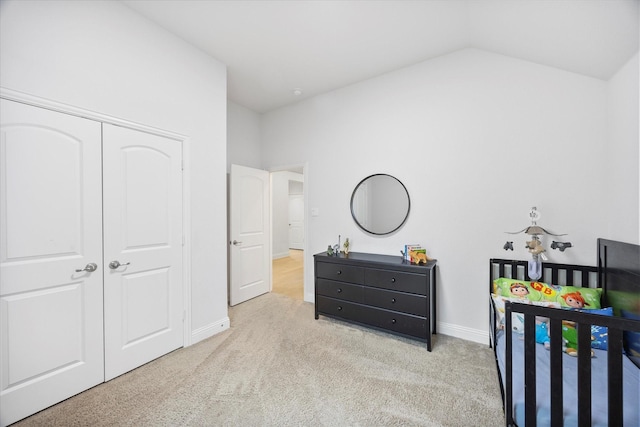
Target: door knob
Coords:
[(115, 264), (236, 243), (89, 267)]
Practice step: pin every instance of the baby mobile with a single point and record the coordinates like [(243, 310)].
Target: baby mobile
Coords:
[(534, 246)]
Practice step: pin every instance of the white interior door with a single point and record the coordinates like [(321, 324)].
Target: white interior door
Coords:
[(143, 234), (249, 214), (296, 221), (51, 314)]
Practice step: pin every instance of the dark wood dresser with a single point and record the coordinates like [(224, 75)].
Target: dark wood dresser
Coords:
[(379, 291)]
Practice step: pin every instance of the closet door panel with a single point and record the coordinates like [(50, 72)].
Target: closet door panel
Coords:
[(51, 315), (143, 233)]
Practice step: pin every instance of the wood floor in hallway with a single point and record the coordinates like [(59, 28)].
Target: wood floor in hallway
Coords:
[(288, 275)]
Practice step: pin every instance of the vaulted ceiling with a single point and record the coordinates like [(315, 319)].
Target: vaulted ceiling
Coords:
[(273, 47)]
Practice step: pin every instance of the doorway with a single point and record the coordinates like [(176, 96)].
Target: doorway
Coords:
[(288, 275), (288, 232)]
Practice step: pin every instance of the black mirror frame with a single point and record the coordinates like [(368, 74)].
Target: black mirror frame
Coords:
[(404, 220)]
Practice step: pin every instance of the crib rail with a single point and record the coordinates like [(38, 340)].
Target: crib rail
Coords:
[(557, 274), (583, 320)]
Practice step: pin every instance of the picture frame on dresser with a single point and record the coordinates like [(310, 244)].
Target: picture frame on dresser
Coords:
[(382, 292)]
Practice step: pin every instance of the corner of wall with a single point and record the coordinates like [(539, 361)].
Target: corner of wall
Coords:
[(210, 330)]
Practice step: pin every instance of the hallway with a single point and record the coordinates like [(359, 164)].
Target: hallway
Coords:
[(288, 275)]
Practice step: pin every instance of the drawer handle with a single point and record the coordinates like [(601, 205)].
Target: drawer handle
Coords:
[(393, 321), (339, 308), (339, 290), (339, 272), (393, 280), (393, 300)]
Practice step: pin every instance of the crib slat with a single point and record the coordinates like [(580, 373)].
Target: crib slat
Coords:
[(584, 375), (530, 370), (614, 364), (585, 279), (569, 274), (557, 407), (508, 365)]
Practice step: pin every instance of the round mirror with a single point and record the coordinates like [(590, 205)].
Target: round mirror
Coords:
[(380, 204)]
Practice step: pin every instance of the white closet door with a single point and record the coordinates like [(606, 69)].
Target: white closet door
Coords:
[(51, 330), (143, 233)]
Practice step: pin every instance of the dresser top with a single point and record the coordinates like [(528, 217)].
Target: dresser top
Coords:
[(374, 260)]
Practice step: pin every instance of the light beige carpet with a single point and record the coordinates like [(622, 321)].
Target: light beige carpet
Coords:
[(278, 366)]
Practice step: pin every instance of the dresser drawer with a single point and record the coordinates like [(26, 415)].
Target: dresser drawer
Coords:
[(397, 301), (396, 280), (393, 321), (343, 273), (340, 290), (339, 308)]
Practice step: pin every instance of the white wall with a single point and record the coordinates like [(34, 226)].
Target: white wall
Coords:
[(478, 139), (243, 137), (103, 57), (622, 154)]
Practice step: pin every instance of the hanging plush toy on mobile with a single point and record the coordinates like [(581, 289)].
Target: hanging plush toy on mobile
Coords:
[(535, 244)]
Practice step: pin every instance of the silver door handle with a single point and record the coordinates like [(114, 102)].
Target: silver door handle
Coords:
[(236, 243), (115, 264), (89, 267)]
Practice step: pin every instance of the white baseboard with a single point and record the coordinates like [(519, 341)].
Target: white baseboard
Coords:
[(462, 332), (310, 297), (280, 255), (209, 330)]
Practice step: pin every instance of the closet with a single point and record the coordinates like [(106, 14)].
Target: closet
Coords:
[(91, 254)]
